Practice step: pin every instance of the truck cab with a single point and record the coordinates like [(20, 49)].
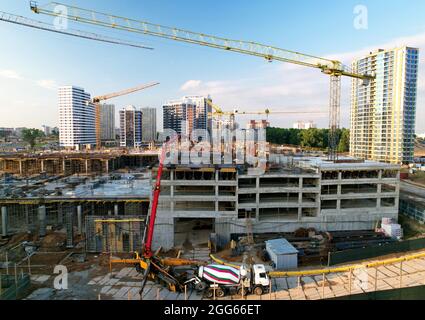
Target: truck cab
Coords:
[(260, 276)]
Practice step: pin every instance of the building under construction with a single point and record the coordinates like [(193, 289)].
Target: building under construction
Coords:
[(76, 204), (69, 163), (212, 202), (307, 193)]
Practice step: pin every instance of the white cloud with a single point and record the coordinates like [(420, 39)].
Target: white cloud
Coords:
[(191, 84), (43, 83), (47, 84), (417, 41), (10, 74)]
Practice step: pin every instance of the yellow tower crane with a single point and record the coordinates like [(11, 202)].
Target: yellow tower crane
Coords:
[(333, 68), (97, 100)]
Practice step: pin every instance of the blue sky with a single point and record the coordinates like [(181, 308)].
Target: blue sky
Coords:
[(33, 63)]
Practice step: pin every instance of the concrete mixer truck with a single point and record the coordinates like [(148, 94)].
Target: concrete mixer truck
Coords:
[(229, 280)]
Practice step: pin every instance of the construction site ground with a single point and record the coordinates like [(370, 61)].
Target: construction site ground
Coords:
[(93, 281)]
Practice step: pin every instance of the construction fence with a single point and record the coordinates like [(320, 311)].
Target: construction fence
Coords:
[(13, 287), (375, 251)]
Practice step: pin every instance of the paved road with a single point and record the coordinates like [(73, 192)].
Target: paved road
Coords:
[(410, 188)]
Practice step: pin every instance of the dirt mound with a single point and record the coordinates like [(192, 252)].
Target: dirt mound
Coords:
[(53, 242)]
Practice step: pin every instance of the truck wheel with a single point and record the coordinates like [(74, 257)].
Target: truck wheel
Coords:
[(201, 286), (239, 292), (258, 291), (209, 293), (219, 293), (138, 268)]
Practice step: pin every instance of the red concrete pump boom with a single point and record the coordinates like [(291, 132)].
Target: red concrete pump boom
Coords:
[(156, 192)]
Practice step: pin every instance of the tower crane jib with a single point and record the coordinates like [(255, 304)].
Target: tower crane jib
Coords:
[(333, 68)]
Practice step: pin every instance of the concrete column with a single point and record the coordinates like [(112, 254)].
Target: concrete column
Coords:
[(60, 214), (42, 220), (164, 233), (300, 198), (27, 219), (4, 222), (42, 165), (69, 228), (20, 167), (300, 204), (63, 166), (80, 219), (257, 197), (216, 198), (257, 205), (171, 196), (87, 166), (107, 166), (116, 209), (339, 191)]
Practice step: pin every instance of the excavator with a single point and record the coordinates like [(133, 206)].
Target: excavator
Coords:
[(155, 268)]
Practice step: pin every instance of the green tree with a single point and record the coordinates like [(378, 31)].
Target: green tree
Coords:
[(30, 136), (313, 138), (344, 141)]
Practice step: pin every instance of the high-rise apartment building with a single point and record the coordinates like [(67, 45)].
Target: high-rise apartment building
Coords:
[(254, 124), (76, 118), (130, 127), (383, 113), (47, 130), (107, 122), (195, 110), (304, 125), (149, 124)]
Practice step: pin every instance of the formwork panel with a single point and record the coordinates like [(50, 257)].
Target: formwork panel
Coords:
[(104, 235)]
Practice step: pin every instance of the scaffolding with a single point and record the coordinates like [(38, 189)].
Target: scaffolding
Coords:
[(108, 234)]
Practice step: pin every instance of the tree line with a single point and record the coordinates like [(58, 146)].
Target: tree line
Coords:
[(313, 138)]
